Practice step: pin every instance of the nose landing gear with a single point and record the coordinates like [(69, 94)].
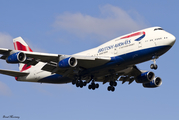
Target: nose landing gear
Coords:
[(154, 65)]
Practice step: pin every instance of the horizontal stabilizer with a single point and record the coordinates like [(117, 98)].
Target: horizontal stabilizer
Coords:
[(13, 73)]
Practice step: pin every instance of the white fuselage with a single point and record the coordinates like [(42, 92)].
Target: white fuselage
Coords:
[(130, 43), (152, 39)]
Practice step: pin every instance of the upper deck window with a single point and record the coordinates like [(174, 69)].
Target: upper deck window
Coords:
[(158, 29)]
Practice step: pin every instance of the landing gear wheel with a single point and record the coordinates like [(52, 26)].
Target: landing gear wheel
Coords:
[(111, 83), (89, 87), (152, 66), (109, 88), (155, 67), (113, 89), (81, 84), (77, 85), (97, 85), (73, 82), (84, 83), (115, 83), (93, 86)]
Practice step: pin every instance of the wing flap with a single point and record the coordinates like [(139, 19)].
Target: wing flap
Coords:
[(13, 73), (89, 61), (49, 67)]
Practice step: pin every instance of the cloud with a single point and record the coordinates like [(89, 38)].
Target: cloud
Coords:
[(112, 21), (6, 40), (4, 89)]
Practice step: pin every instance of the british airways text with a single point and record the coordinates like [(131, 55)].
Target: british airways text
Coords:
[(114, 46)]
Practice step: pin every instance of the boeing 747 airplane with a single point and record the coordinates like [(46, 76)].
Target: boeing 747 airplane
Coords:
[(110, 62)]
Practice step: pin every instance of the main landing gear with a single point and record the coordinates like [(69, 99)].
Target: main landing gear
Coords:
[(93, 86), (154, 65), (79, 83), (112, 86)]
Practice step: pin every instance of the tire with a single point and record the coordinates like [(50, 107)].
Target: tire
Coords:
[(77, 85), (73, 82), (113, 89), (93, 86), (111, 83), (155, 67), (109, 88), (89, 87), (115, 83), (97, 85), (81, 84), (152, 66), (84, 83)]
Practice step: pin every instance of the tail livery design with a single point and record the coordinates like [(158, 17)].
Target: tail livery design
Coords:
[(20, 44)]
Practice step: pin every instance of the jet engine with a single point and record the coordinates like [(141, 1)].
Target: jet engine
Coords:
[(154, 83), (17, 57), (145, 77), (68, 62)]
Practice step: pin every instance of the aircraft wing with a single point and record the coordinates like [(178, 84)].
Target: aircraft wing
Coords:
[(52, 60), (13, 73), (44, 57)]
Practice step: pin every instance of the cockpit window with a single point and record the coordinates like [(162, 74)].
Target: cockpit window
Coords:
[(158, 29)]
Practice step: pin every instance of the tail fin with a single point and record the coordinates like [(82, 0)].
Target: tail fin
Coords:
[(20, 44)]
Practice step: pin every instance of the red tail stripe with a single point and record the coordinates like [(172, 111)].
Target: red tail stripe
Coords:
[(19, 46), (25, 67)]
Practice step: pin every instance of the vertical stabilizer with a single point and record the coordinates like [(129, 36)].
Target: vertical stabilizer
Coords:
[(20, 44)]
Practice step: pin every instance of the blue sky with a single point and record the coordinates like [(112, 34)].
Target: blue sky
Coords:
[(68, 27)]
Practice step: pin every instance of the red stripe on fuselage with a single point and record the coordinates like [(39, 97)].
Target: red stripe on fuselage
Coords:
[(132, 35)]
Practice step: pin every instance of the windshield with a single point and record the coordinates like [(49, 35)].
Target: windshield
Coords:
[(158, 29)]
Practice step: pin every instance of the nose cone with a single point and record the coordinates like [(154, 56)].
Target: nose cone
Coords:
[(172, 39)]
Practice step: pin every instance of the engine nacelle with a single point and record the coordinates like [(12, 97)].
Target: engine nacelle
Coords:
[(154, 83), (145, 77), (68, 62), (17, 57)]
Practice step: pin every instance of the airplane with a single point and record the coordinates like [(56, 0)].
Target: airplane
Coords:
[(110, 62)]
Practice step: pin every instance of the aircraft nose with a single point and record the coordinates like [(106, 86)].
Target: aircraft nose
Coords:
[(172, 39)]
